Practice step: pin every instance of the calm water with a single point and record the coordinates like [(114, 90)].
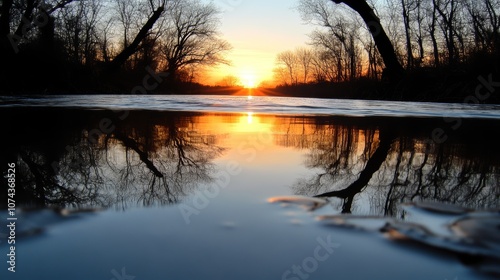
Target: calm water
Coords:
[(182, 185)]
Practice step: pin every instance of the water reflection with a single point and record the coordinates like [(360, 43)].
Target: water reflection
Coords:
[(98, 159), (78, 158), (396, 161)]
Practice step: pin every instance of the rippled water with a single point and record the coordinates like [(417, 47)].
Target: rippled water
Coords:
[(259, 104)]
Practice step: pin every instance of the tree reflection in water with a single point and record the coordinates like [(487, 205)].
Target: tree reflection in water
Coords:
[(66, 159), (394, 161), (84, 158)]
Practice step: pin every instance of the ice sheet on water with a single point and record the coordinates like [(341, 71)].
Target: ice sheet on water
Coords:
[(31, 222), (258, 104), (463, 231), (305, 202)]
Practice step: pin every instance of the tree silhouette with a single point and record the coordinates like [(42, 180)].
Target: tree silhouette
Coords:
[(394, 70), (192, 37), (394, 164), (146, 159), (129, 50)]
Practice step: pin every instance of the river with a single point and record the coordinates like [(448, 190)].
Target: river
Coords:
[(246, 187)]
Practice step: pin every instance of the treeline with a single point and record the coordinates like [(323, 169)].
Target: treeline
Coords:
[(441, 41), (85, 46)]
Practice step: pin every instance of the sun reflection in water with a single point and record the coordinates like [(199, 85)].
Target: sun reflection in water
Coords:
[(249, 118), (250, 94), (253, 123)]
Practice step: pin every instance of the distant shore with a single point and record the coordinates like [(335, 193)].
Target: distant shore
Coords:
[(422, 86)]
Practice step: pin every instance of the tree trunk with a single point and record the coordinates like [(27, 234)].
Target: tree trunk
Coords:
[(27, 17), (7, 49), (5, 26), (432, 33), (143, 155), (394, 71), (129, 50), (5, 18), (373, 165), (406, 21)]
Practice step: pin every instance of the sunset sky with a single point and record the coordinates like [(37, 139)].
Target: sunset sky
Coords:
[(258, 30)]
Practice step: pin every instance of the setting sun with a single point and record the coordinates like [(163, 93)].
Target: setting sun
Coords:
[(248, 80)]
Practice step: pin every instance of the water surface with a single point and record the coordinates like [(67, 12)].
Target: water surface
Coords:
[(182, 184), (258, 104)]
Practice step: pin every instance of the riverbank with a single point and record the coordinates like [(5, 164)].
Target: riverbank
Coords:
[(422, 85)]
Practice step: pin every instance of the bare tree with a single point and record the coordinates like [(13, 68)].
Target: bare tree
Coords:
[(432, 33), (323, 66), (384, 45), (374, 63), (332, 49), (419, 34), (288, 61), (229, 81), (105, 39), (191, 36), (447, 10), (78, 30), (485, 22), (127, 12), (133, 47), (407, 7), (18, 18), (340, 35), (304, 57)]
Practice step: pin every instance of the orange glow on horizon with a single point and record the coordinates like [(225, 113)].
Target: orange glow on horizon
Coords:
[(250, 93), (249, 66), (248, 78)]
